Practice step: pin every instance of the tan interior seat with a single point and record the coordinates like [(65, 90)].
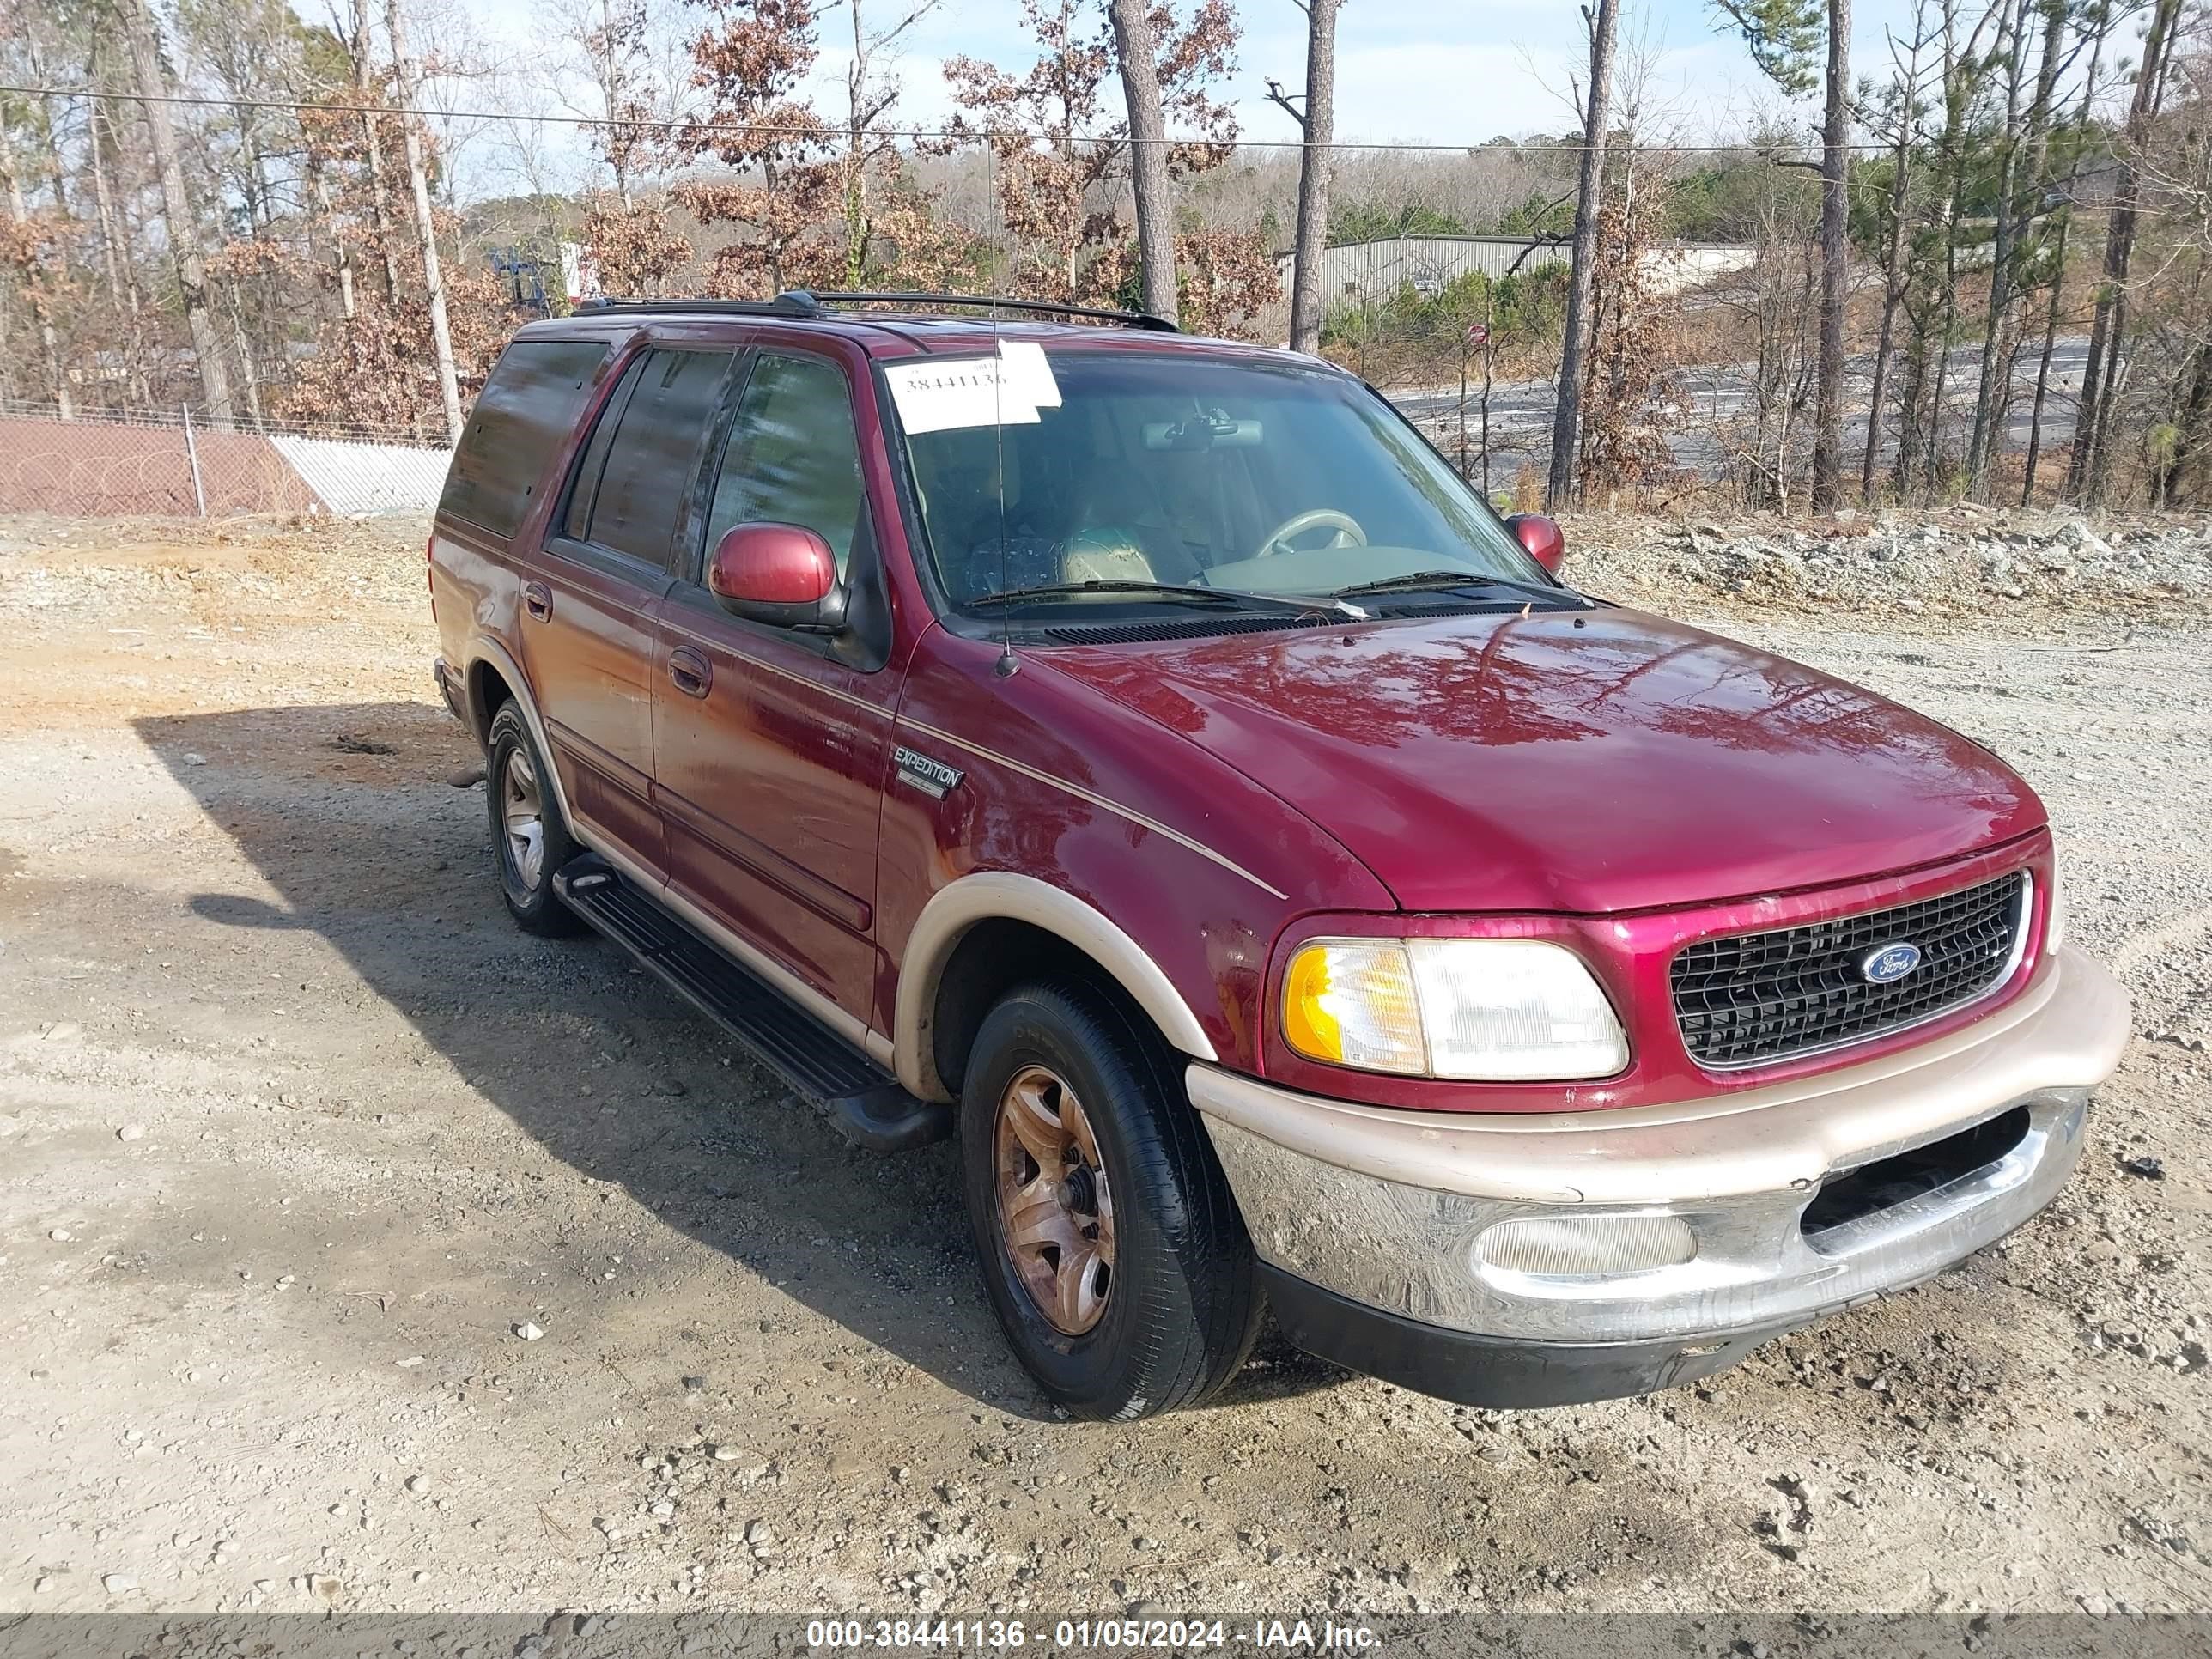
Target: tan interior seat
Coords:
[(1115, 507), (1104, 556)]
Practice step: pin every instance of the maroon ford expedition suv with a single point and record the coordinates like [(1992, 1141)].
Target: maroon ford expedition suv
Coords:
[(1144, 758)]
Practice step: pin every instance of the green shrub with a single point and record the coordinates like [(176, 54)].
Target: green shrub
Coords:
[(1526, 308)]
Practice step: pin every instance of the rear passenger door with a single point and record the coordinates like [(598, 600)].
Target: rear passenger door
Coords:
[(587, 624), (770, 744)]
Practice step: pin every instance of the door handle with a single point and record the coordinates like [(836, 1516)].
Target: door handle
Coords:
[(538, 600), (691, 672)]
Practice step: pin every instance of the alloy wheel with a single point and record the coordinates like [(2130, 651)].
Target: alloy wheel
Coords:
[(522, 811), (1055, 1209)]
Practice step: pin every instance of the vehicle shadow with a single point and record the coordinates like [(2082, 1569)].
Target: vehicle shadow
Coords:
[(364, 844)]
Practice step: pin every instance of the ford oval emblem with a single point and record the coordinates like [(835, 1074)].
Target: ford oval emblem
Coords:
[(1891, 962)]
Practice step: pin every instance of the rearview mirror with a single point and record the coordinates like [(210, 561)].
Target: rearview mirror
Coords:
[(780, 573), (1210, 431), (1539, 537)]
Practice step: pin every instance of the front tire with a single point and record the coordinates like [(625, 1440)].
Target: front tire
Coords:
[(530, 841), (1112, 1251)]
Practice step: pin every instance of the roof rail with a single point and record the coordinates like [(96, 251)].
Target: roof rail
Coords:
[(792, 302), (1132, 318), (799, 302)]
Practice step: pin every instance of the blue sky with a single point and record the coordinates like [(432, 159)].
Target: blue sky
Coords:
[(1444, 73)]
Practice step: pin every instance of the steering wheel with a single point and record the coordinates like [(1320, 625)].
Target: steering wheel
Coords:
[(1348, 532)]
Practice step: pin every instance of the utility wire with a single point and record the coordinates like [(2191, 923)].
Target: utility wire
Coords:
[(968, 134)]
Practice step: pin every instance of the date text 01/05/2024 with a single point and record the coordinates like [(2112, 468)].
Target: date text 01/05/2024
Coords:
[(1167, 1635)]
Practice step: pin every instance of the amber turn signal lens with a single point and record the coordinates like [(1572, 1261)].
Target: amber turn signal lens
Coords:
[(1350, 1002), (1307, 1025)]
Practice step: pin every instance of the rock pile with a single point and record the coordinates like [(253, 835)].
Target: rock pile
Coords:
[(1949, 562)]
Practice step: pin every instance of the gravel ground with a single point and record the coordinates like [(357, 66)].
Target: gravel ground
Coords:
[(359, 1252)]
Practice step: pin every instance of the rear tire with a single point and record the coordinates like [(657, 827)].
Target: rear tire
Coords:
[(529, 839), (1112, 1251)]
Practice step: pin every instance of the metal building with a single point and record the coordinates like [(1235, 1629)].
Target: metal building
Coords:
[(1372, 271)]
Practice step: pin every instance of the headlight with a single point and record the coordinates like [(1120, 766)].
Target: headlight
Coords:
[(2054, 915), (1499, 1009)]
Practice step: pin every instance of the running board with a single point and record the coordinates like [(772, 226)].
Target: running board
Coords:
[(863, 1101)]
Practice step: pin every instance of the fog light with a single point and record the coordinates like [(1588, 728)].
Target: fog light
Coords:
[(1580, 1246)]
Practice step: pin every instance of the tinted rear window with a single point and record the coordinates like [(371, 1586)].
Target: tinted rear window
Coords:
[(536, 390)]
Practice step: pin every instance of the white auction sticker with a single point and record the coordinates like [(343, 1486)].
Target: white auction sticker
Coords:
[(935, 394), (1030, 369)]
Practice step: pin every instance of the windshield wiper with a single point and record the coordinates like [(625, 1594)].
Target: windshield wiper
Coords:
[(1233, 598), (1442, 579)]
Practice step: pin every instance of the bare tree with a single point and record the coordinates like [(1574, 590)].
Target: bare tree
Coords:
[(425, 228), (1835, 267), (41, 240), (2096, 23), (1316, 114), (185, 245), (26, 246), (115, 176), (1990, 394), (609, 36), (1626, 394), (1931, 285), (1604, 25), (2171, 406), (752, 65), (1138, 61), (101, 137), (870, 93), (364, 86), (2085, 475), (319, 186), (1904, 111), (1783, 35), (249, 50), (1777, 214), (635, 70)]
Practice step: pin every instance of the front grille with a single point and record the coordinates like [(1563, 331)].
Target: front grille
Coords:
[(1754, 998)]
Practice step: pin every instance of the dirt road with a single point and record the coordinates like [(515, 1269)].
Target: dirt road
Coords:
[(297, 1132)]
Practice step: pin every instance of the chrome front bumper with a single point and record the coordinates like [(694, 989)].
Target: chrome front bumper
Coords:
[(1388, 1209)]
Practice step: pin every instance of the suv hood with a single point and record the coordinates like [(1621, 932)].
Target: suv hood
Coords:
[(1595, 760)]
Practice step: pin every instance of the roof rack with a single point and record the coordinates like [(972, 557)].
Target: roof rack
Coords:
[(1133, 319), (792, 302), (799, 302)]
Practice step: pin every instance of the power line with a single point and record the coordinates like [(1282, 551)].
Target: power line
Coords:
[(962, 135)]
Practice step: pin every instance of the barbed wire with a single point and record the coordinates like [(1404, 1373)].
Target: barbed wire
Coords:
[(970, 135)]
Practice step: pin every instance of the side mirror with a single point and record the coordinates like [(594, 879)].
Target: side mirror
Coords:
[(780, 573), (1539, 538)]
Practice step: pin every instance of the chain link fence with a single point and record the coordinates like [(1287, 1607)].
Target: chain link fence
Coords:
[(112, 463)]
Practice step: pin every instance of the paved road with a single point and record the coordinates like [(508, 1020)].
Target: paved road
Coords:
[(1710, 412)]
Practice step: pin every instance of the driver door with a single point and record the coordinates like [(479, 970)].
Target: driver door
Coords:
[(771, 749)]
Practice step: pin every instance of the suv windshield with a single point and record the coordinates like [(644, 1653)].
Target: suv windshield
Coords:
[(1242, 477)]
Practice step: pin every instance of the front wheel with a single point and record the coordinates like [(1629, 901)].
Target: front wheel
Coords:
[(1111, 1250), (529, 839)]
